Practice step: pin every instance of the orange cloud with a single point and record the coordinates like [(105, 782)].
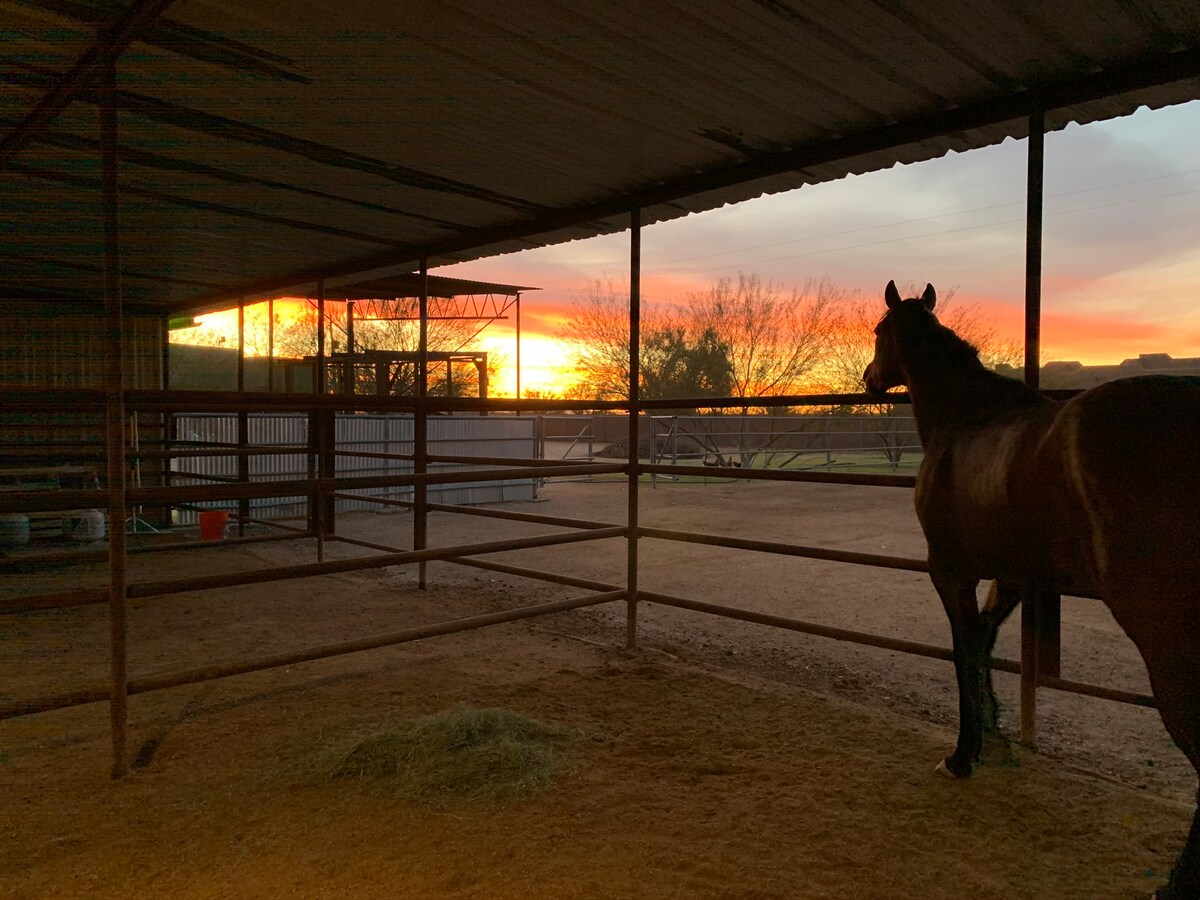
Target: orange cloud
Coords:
[(1089, 338)]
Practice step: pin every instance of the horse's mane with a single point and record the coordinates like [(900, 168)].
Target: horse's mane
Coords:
[(954, 349), (936, 343), (942, 348)]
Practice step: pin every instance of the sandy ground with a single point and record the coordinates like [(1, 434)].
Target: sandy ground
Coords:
[(721, 759)]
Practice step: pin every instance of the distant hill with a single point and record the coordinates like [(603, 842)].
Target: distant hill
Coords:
[(1076, 376)]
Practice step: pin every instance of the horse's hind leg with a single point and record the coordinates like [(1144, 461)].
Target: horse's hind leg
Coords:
[(1185, 877), (1167, 634), (1175, 678), (966, 627), (1002, 599)]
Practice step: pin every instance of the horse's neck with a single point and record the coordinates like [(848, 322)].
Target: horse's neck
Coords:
[(961, 396)]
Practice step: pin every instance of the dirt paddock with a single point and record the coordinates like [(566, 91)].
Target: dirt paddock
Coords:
[(719, 759)]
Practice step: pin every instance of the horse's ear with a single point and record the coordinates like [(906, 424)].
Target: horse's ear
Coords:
[(929, 298), (891, 296)]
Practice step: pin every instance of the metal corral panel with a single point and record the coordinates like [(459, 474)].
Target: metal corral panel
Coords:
[(508, 436)]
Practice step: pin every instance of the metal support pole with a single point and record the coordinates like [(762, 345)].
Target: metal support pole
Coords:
[(316, 500), (1030, 597), (271, 345), (327, 471), (319, 375), (243, 420), (114, 416), (635, 315), (518, 345), (1033, 249), (1029, 665), (241, 362), (348, 368), (166, 420), (314, 496), (421, 426)]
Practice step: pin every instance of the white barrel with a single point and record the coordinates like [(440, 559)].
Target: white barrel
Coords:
[(89, 526), (14, 530)]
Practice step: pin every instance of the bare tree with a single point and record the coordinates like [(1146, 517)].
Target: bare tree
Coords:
[(597, 335), (676, 359), (774, 337)]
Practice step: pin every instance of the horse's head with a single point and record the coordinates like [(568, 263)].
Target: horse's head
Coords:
[(886, 371)]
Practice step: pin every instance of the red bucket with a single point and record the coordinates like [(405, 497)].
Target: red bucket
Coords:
[(212, 524)]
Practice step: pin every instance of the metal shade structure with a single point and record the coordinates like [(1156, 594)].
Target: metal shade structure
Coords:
[(408, 285), (260, 150)]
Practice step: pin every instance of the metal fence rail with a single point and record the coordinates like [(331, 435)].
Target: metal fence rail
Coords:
[(374, 471), (366, 445)]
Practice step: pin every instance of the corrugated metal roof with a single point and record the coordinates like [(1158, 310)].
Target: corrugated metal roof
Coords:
[(263, 144), (407, 284)]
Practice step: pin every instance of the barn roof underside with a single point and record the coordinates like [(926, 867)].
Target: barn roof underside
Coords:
[(264, 144)]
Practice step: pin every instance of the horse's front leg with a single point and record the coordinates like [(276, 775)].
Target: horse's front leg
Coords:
[(968, 632), (1002, 599)]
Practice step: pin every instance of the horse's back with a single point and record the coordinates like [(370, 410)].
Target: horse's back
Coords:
[(1136, 442), (1131, 450)]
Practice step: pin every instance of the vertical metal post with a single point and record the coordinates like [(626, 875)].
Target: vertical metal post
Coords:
[(243, 420), (114, 421), (539, 449), (166, 352), (1033, 248), (1029, 664), (316, 423), (518, 345), (319, 375), (635, 316), (421, 426), (348, 368), (166, 420), (271, 345), (481, 368), (314, 504), (653, 422), (1030, 597), (241, 362)]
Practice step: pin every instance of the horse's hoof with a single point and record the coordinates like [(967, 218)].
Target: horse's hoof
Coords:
[(946, 772)]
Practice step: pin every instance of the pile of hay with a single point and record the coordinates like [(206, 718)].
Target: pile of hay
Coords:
[(478, 754)]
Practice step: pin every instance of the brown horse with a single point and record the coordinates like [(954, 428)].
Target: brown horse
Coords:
[(1099, 495)]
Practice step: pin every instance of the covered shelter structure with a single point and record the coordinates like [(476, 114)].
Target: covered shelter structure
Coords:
[(383, 371), (168, 158)]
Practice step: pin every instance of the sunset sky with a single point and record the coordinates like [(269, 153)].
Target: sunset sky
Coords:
[(1121, 269)]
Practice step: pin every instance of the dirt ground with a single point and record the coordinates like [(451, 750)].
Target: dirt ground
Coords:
[(721, 759)]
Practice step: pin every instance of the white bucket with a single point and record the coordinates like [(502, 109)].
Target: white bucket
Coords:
[(88, 526), (14, 530)]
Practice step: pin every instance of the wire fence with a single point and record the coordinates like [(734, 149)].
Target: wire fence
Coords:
[(717, 446), (367, 446)]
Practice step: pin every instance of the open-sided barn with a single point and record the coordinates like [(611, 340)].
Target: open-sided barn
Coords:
[(166, 158)]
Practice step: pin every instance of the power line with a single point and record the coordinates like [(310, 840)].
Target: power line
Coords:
[(928, 234), (913, 221)]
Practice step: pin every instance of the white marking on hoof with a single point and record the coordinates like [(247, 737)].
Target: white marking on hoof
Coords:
[(944, 770)]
